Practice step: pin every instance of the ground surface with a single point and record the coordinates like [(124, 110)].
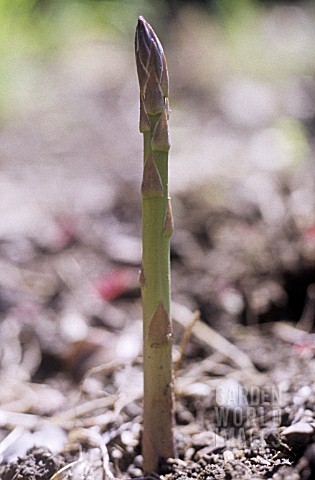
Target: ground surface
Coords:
[(243, 267), (71, 360)]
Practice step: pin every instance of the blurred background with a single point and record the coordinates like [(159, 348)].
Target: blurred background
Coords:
[(242, 96), (242, 126)]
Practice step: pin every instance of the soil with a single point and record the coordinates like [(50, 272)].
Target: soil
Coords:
[(71, 352), (243, 276)]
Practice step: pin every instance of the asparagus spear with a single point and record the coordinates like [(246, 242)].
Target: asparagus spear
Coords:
[(157, 228)]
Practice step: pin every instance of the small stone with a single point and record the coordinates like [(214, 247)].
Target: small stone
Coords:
[(299, 433), (198, 389), (210, 442), (261, 460), (138, 461), (308, 413), (135, 472), (184, 417), (230, 394), (116, 454), (73, 326), (128, 438), (203, 439), (189, 453), (228, 456), (307, 419), (238, 454), (302, 395), (176, 461)]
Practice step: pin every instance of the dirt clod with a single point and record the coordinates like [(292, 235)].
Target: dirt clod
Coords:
[(37, 464)]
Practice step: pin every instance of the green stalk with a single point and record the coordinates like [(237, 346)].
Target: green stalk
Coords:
[(157, 228)]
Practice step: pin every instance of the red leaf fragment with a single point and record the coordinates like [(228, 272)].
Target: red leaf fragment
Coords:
[(309, 234), (305, 348), (116, 283)]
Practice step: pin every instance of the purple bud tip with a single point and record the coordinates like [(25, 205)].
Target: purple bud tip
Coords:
[(143, 36), (151, 67)]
